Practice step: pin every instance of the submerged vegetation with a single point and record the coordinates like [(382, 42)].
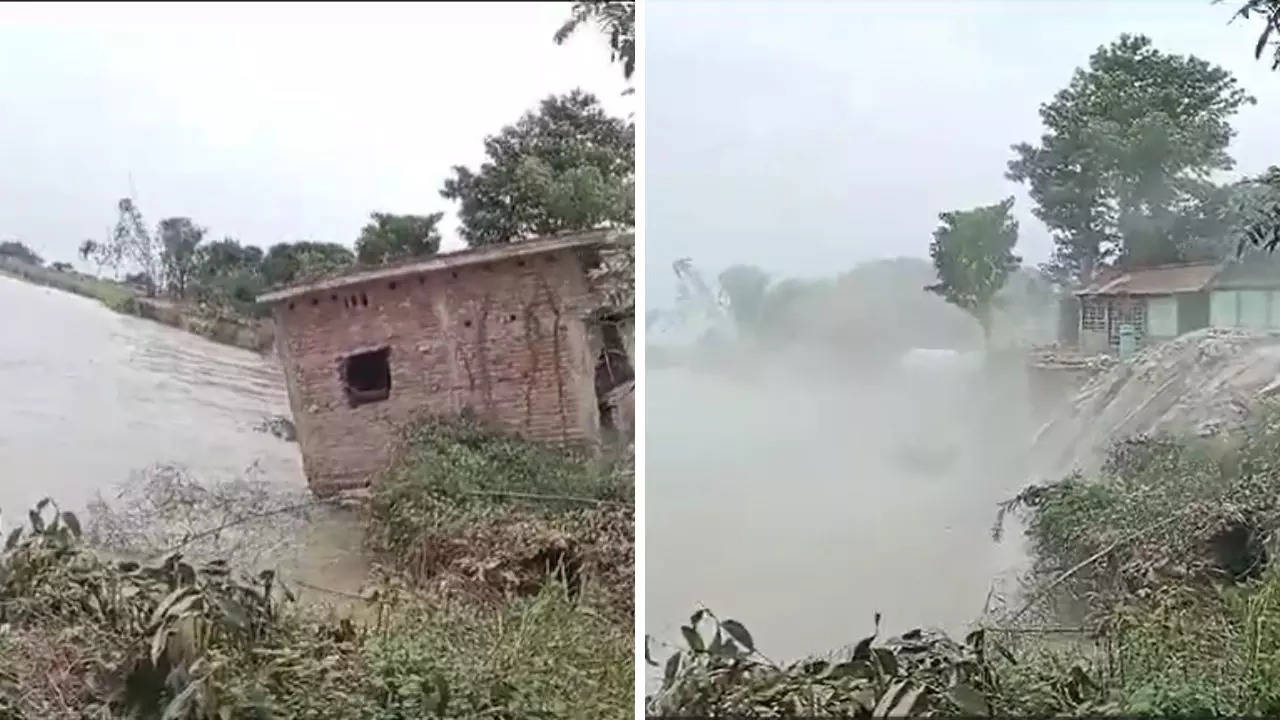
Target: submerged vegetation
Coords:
[(503, 589)]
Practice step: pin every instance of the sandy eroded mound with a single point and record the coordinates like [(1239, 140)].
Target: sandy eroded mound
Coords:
[(1203, 382)]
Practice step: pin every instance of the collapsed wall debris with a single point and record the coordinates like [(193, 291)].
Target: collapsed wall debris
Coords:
[(1204, 383)]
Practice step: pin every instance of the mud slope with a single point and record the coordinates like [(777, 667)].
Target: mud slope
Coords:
[(1201, 383)]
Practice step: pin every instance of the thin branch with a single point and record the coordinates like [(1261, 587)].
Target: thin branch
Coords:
[(246, 518), (1092, 559), (548, 498)]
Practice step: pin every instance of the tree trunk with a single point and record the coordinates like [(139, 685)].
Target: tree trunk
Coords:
[(983, 315)]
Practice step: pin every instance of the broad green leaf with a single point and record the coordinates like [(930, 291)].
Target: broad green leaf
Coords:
[(672, 669), (71, 521), (886, 701), (692, 638), (738, 632), (908, 701)]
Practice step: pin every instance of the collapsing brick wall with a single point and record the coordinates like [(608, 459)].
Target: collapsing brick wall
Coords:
[(504, 338)]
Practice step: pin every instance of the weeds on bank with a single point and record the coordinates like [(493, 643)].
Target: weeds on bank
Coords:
[(467, 510), (1160, 567)]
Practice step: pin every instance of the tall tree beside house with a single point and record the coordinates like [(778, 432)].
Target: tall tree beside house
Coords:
[(1256, 210), (393, 237), (19, 251), (1128, 150), (972, 253), (617, 20), (566, 166), (179, 240)]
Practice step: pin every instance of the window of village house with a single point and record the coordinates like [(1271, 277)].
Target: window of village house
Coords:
[(1093, 315), (366, 376)]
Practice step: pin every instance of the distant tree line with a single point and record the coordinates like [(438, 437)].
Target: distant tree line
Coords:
[(566, 165), (18, 251), (1121, 176)]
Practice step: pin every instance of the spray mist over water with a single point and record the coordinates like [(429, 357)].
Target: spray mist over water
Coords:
[(801, 499)]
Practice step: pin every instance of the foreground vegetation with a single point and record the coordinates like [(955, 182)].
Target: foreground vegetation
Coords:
[(1151, 592), (503, 590)]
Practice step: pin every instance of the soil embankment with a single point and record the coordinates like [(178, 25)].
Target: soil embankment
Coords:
[(1199, 384), (248, 333)]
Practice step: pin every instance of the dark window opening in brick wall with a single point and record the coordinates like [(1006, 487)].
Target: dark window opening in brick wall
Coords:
[(366, 376)]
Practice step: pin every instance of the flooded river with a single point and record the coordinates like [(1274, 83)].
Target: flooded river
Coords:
[(93, 398), (802, 508)]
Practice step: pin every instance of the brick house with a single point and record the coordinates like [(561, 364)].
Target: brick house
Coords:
[(501, 330)]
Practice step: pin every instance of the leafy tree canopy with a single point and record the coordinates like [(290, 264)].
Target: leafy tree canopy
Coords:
[(179, 238), (972, 252), (617, 20), (287, 263), (392, 237), (19, 251), (1122, 170), (1268, 11), (566, 166), (227, 256)]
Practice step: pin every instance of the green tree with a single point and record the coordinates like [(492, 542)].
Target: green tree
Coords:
[(228, 274), (567, 166), (745, 286), (226, 256), (972, 253), (179, 240), (394, 237), (1129, 147), (617, 20), (131, 242), (287, 263), (19, 251), (1256, 210)]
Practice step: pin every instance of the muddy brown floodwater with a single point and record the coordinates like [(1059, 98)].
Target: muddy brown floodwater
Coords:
[(802, 508), (92, 398)]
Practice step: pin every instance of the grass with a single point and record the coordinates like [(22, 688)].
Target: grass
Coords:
[(1163, 563), (201, 318), (117, 296), (487, 606), (489, 515)]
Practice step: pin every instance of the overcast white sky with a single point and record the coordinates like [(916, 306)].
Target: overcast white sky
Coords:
[(808, 137), (266, 122)]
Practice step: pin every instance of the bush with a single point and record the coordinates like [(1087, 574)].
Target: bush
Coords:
[(490, 515), (542, 656), (86, 637), (82, 636)]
